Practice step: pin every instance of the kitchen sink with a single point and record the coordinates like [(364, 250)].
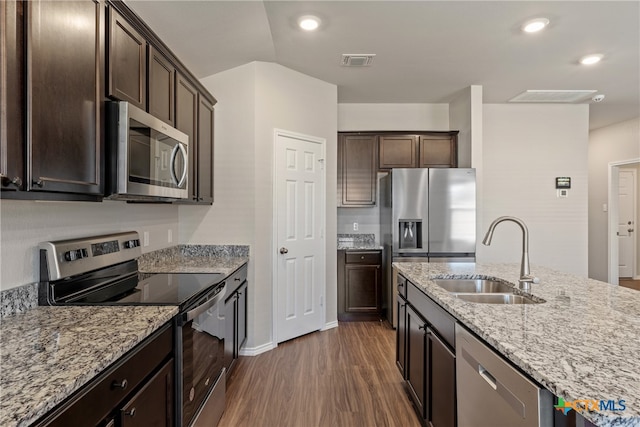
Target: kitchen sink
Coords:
[(496, 298), (474, 286)]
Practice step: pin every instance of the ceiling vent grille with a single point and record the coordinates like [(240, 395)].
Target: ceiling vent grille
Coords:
[(553, 96), (357, 59)]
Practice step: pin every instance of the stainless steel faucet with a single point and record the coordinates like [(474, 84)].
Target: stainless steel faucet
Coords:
[(526, 279)]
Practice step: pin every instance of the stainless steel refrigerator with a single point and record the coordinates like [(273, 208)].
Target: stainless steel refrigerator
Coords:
[(427, 215)]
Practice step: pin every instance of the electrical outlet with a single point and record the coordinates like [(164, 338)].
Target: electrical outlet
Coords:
[(145, 238), (355, 226), (169, 235)]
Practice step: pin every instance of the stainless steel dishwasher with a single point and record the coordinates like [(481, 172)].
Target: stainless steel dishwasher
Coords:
[(493, 393)]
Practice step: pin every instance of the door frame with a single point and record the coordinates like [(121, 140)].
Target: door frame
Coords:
[(612, 218), (323, 224)]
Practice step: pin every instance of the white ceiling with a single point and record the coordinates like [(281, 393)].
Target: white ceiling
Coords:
[(426, 51)]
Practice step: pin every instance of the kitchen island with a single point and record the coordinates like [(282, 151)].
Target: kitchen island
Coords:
[(582, 343)]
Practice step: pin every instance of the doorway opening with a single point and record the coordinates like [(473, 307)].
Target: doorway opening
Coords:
[(624, 198)]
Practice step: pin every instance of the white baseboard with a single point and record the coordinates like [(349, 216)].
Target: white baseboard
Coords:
[(254, 351), (636, 278), (330, 325)]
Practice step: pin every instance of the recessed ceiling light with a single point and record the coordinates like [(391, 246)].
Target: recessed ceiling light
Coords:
[(591, 59), (309, 22), (535, 25)]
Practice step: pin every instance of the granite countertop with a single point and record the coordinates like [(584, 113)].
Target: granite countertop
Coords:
[(194, 259), (582, 343), (358, 242), (47, 353)]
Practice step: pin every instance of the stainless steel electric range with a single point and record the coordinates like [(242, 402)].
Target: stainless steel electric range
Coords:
[(103, 270)]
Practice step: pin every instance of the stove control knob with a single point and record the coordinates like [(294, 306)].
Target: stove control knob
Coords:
[(71, 255), (130, 244)]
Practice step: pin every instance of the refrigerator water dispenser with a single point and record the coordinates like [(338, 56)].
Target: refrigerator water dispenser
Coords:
[(410, 233)]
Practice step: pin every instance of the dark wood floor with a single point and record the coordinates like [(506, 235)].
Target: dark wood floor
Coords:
[(628, 283), (345, 376)]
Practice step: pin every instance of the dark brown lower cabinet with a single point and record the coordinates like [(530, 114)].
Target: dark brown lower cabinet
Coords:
[(441, 382), (235, 308), (416, 359), (401, 336), (429, 360), (153, 404), (359, 285)]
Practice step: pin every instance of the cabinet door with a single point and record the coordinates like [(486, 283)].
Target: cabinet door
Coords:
[(357, 170), (64, 96), (416, 368), (153, 404), (205, 151), (161, 90), (399, 151), (401, 336), (441, 411), (242, 316), (438, 151), (127, 62), (11, 95), (187, 122), (362, 289), (230, 336)]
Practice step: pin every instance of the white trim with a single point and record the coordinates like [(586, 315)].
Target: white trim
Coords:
[(274, 240), (254, 351), (612, 218), (330, 325), (636, 278)]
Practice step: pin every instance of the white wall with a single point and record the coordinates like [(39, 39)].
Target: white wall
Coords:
[(524, 148), (609, 144), (368, 117), (253, 100), (27, 223)]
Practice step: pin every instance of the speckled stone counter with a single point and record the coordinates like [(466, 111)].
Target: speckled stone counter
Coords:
[(195, 259), (47, 353), (582, 343), (358, 242)]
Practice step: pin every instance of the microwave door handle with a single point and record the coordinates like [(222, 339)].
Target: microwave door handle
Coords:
[(172, 163), (183, 178)]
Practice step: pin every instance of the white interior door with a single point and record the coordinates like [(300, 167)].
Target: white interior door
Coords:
[(626, 222), (299, 202)]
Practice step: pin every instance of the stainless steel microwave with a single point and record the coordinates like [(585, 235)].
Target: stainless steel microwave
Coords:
[(147, 159)]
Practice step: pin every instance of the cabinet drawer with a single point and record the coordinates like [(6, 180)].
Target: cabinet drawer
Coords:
[(234, 281), (402, 286), (96, 403), (440, 320), (373, 257)]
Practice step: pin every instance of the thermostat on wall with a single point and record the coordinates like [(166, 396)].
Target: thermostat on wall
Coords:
[(563, 182)]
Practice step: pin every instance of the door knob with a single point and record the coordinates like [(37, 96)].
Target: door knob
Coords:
[(284, 250), (630, 230)]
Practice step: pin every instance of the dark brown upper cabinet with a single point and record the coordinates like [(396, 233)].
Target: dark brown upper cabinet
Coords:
[(204, 156), (127, 57), (357, 170), (64, 97), (12, 84), (439, 150), (187, 122), (161, 86), (418, 150), (398, 151)]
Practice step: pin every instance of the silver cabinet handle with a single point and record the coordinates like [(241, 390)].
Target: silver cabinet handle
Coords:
[(38, 182), (284, 250), (16, 181), (120, 384), (131, 413)]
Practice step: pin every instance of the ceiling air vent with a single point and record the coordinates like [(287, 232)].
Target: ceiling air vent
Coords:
[(357, 59), (553, 96)]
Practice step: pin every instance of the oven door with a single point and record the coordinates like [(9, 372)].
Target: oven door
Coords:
[(202, 336), (152, 156)]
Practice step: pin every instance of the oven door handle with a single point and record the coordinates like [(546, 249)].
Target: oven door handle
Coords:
[(205, 305)]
